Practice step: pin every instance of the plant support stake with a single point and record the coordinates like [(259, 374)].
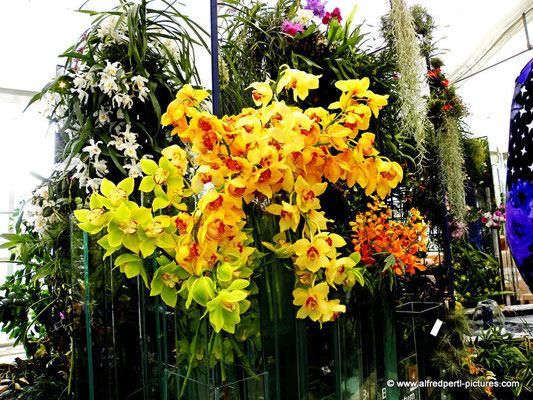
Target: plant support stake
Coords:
[(214, 59)]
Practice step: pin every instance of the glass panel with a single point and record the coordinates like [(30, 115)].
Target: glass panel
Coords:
[(118, 332), (204, 384)]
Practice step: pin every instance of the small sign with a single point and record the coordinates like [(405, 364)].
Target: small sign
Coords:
[(436, 327)]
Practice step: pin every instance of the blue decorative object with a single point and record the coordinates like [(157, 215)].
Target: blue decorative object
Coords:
[(519, 207)]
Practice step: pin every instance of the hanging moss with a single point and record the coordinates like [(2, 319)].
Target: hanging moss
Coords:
[(411, 83), (453, 166)]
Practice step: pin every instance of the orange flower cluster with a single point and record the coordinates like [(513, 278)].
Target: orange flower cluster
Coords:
[(376, 233)]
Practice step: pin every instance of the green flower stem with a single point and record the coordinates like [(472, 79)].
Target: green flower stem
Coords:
[(71, 372), (244, 360), (191, 359), (210, 346), (38, 315), (21, 263), (278, 290), (257, 240), (222, 356)]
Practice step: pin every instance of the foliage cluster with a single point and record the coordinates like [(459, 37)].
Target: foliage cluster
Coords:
[(104, 105), (476, 275)]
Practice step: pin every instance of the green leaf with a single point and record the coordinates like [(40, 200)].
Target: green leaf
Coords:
[(389, 262), (116, 161)]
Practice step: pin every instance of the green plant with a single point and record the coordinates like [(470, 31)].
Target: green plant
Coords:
[(105, 106), (510, 359), (477, 274), (454, 358)]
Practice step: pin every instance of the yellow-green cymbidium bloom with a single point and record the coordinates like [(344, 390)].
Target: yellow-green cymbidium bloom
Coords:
[(281, 246), (156, 232), (132, 265), (201, 289), (165, 280), (94, 220), (225, 309), (113, 196), (123, 227), (163, 173), (173, 196), (177, 156)]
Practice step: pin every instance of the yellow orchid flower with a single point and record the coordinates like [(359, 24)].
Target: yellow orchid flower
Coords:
[(330, 310), (192, 257), (206, 174), (160, 174), (312, 301), (319, 115), (177, 156), (350, 88), (281, 248), (311, 255), (122, 229), (190, 98), (289, 215), (262, 93), (183, 222), (389, 174), (307, 195), (316, 221), (332, 240), (301, 82), (96, 218), (156, 232), (365, 147), (113, 196), (336, 271), (264, 178), (376, 102), (357, 118), (337, 135), (225, 309)]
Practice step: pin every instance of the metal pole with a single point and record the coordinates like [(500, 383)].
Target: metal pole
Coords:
[(524, 20), (214, 59)]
